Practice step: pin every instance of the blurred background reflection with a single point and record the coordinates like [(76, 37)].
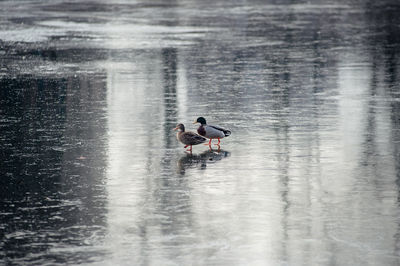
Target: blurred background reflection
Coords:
[(91, 171)]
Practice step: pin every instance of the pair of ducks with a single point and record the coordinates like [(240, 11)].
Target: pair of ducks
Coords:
[(205, 131)]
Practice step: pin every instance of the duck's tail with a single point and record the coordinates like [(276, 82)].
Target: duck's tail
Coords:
[(227, 133)]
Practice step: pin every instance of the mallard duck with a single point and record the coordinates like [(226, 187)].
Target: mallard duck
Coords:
[(211, 132), (188, 138)]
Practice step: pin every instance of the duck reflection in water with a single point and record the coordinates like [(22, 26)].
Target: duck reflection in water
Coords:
[(201, 160)]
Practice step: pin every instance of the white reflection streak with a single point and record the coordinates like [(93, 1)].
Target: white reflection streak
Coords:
[(120, 163), (364, 130), (353, 85), (134, 106), (181, 92)]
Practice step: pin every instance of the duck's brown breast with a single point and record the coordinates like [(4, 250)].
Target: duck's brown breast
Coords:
[(201, 130)]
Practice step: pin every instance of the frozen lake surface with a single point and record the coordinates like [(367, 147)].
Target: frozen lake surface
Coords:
[(91, 171)]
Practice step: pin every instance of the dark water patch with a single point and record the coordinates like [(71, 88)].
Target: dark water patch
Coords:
[(88, 6), (72, 55), (52, 147)]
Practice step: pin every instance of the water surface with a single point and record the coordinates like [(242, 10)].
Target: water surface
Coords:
[(91, 171)]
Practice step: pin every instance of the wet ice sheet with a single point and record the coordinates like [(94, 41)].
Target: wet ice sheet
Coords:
[(93, 173)]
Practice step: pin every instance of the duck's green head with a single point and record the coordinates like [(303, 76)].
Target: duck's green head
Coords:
[(200, 120)]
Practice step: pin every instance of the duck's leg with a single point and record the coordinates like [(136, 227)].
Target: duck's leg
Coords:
[(190, 149), (209, 143), (218, 149), (186, 146), (219, 141)]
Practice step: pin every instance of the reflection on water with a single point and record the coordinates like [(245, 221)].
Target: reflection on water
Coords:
[(52, 154), (91, 171), (200, 161)]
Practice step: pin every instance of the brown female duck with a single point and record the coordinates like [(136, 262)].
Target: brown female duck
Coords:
[(188, 138)]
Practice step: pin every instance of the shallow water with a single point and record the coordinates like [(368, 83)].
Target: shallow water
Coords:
[(91, 171)]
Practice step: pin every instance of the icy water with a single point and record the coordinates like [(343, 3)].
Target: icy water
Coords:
[(91, 171)]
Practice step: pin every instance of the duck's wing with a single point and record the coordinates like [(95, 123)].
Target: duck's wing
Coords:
[(226, 132), (191, 138)]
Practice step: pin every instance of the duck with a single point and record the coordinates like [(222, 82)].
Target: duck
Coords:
[(211, 132), (187, 137)]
